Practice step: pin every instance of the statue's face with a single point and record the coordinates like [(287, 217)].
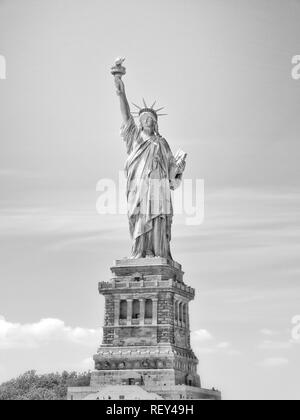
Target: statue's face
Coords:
[(148, 122)]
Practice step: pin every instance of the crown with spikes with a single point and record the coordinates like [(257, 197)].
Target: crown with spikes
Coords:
[(150, 109)]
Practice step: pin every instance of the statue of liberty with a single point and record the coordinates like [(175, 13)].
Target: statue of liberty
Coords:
[(152, 172)]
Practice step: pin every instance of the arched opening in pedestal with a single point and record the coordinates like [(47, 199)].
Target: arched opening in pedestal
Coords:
[(148, 309), (123, 309), (180, 312), (189, 381), (136, 309)]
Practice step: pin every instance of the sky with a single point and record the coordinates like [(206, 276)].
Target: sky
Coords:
[(224, 72)]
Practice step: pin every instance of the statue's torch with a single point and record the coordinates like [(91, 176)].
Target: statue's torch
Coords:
[(118, 70)]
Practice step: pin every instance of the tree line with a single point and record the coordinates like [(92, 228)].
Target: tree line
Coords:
[(52, 386)]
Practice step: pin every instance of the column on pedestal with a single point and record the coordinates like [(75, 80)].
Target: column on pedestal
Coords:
[(129, 311), (142, 311), (187, 317), (188, 325), (155, 311), (117, 311)]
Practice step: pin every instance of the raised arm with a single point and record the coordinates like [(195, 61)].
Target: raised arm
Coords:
[(125, 109)]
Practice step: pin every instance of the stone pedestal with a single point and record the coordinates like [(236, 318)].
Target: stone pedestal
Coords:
[(146, 333)]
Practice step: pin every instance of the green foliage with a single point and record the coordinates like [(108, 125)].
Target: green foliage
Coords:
[(32, 386)]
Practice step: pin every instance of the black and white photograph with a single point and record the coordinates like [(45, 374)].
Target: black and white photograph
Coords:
[(149, 203)]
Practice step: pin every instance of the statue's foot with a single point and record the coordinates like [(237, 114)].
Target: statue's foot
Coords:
[(150, 254), (136, 257)]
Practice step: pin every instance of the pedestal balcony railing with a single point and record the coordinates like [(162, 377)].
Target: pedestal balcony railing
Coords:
[(128, 283)]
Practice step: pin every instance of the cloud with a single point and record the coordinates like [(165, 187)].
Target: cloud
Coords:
[(275, 345), (87, 364), (246, 299), (272, 340), (268, 333), (201, 335), (16, 173), (224, 345), (203, 342), (48, 330), (274, 362), (61, 228)]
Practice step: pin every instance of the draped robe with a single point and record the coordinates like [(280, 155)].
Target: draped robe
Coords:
[(151, 172)]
